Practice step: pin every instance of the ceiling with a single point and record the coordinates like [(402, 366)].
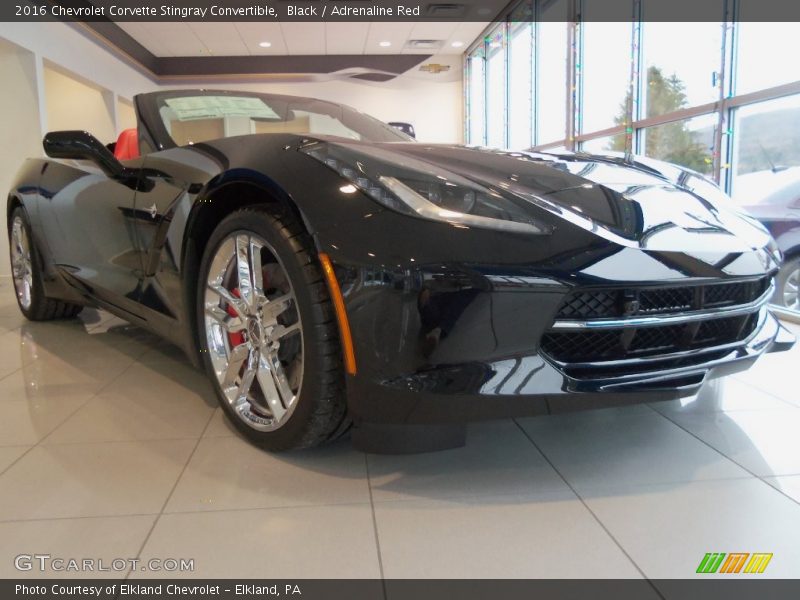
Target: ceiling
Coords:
[(182, 39)]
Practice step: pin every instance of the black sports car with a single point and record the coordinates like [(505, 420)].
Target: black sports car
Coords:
[(326, 270)]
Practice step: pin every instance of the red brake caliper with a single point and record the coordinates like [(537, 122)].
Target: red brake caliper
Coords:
[(237, 337)]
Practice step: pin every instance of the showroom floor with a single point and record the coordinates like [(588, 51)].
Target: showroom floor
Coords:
[(110, 446)]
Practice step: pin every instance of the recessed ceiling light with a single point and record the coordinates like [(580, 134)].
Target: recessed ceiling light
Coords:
[(265, 44), (384, 44), (457, 44)]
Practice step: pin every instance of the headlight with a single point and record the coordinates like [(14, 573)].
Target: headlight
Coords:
[(416, 188)]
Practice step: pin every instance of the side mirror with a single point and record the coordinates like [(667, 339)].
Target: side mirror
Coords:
[(406, 128), (81, 145)]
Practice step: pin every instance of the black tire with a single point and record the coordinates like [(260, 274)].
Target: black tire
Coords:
[(41, 307), (320, 413), (789, 271)]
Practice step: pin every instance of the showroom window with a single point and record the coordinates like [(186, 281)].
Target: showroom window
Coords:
[(605, 74), (520, 86), (476, 97), (763, 51), (682, 74), (767, 154), (551, 71), (759, 45), (496, 89), (688, 143), (604, 144)]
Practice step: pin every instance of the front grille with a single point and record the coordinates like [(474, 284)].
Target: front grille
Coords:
[(628, 342), (584, 305), (731, 294), (618, 303), (665, 300)]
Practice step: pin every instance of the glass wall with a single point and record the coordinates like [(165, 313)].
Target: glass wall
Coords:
[(682, 63), (721, 98), (605, 75), (496, 89), (476, 97), (688, 143), (520, 86), (551, 72)]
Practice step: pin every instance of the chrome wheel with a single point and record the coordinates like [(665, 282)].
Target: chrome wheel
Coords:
[(791, 290), (21, 266), (253, 331)]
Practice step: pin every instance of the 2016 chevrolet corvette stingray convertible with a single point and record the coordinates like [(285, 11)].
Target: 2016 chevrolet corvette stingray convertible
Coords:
[(328, 271)]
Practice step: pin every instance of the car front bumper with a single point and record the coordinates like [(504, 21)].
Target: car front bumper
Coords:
[(525, 384)]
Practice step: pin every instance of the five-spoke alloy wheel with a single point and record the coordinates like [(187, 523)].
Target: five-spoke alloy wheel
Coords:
[(268, 334), (253, 331)]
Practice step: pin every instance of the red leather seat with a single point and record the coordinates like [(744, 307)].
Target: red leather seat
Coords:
[(127, 146)]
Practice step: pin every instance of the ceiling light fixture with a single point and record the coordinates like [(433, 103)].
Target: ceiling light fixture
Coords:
[(457, 44), (384, 44), (265, 44)]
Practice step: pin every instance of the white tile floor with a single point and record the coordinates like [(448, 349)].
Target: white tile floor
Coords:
[(111, 447)]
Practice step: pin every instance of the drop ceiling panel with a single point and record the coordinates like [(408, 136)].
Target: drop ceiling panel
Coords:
[(220, 39), (304, 38), (432, 31), (254, 33), (344, 38), (298, 38), (465, 33), (178, 39), (394, 33)]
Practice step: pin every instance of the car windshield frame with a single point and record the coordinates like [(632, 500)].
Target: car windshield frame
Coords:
[(153, 130)]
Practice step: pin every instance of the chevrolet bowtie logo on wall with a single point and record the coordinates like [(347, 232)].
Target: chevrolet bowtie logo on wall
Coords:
[(735, 562), (434, 68)]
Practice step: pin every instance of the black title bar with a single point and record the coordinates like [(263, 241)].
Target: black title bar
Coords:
[(399, 10)]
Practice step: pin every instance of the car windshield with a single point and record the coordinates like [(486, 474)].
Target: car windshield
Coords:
[(198, 118)]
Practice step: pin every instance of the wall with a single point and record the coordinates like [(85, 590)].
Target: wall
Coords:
[(74, 104), (19, 112), (126, 115)]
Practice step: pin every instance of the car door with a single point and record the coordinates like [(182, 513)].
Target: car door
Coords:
[(171, 179), (88, 222)]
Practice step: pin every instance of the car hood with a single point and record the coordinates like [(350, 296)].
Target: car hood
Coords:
[(633, 202)]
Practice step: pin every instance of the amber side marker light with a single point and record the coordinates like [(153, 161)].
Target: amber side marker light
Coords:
[(341, 313)]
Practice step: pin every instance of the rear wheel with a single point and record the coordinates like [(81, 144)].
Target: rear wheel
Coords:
[(26, 272), (268, 333)]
